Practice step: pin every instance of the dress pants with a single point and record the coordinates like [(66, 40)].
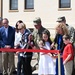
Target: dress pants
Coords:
[(20, 65), (68, 67), (27, 66), (1, 62), (24, 63), (8, 63)]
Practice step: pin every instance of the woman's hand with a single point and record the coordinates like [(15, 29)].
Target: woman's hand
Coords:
[(17, 52)]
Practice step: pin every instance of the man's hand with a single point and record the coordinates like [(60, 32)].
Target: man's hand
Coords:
[(7, 46)]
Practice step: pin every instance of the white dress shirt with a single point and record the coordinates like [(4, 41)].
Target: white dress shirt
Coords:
[(6, 31), (17, 38)]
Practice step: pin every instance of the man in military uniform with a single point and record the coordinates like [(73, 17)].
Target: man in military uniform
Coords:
[(37, 33), (70, 28)]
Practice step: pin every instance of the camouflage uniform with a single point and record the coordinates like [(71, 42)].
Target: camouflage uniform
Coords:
[(37, 34), (71, 32)]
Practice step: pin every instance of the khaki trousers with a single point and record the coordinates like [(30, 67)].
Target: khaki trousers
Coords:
[(1, 62), (8, 63), (68, 68)]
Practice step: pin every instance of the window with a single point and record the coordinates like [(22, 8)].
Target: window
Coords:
[(31, 29), (13, 4), (64, 3), (29, 4)]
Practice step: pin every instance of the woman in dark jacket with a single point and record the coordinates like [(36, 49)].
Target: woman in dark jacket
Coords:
[(60, 31)]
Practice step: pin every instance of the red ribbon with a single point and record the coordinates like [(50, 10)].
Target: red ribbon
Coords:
[(28, 50)]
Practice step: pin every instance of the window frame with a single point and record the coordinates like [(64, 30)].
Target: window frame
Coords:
[(10, 7), (27, 10), (63, 8), (25, 4)]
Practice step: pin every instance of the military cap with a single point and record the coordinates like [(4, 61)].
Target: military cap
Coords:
[(60, 19), (37, 20)]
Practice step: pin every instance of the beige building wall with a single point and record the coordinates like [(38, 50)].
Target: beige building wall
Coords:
[(0, 8), (46, 9)]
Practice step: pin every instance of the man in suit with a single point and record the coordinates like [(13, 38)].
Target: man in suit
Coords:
[(0, 51), (7, 36)]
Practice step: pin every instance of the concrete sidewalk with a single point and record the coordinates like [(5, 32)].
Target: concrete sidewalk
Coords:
[(33, 62)]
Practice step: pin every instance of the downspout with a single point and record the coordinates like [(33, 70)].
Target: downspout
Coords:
[(1, 8)]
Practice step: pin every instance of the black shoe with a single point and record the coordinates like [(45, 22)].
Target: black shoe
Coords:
[(1, 74), (14, 72)]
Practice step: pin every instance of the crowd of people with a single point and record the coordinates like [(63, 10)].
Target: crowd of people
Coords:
[(20, 37)]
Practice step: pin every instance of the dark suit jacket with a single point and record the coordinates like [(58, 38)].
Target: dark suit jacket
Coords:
[(7, 40)]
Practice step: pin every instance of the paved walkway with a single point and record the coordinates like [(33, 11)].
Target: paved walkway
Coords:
[(33, 62)]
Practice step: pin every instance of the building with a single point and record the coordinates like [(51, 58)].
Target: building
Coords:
[(48, 10), (0, 8)]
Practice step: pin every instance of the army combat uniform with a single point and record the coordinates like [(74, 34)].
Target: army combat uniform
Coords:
[(37, 34)]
